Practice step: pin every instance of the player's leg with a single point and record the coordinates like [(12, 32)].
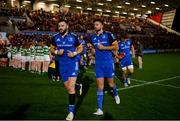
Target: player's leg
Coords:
[(100, 88), (140, 62), (123, 67), (124, 78), (109, 72), (100, 96), (129, 73), (70, 86)]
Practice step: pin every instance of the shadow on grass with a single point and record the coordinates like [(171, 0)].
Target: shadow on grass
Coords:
[(19, 114), (86, 82)]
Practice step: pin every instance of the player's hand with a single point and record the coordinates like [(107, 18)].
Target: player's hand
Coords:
[(121, 55), (101, 47), (71, 54), (60, 52)]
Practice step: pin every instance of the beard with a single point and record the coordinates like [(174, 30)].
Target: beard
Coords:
[(62, 32), (97, 30)]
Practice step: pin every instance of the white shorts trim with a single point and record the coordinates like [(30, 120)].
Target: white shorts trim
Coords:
[(129, 67)]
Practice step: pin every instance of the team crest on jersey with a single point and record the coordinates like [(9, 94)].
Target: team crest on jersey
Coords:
[(103, 36), (94, 39), (70, 39), (58, 39)]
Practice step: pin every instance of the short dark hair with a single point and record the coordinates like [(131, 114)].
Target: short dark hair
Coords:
[(63, 20), (98, 20), (124, 35)]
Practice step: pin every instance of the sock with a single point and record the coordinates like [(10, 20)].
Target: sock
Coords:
[(77, 86), (125, 81), (71, 102), (100, 98), (128, 76), (115, 93)]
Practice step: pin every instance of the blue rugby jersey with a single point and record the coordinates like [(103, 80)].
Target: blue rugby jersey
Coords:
[(83, 42), (69, 42), (105, 39), (125, 47)]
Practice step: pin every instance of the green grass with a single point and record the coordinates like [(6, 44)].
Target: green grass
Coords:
[(29, 96)]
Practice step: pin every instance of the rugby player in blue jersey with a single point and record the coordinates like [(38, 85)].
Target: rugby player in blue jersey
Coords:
[(125, 51), (67, 47), (104, 43)]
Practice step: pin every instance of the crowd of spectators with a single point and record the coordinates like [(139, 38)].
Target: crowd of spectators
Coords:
[(150, 35)]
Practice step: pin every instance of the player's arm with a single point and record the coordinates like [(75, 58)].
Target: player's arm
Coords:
[(133, 51), (79, 49), (114, 46), (118, 55), (113, 43), (53, 49)]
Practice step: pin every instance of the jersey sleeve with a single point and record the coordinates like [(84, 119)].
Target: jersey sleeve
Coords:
[(76, 41), (53, 42), (111, 38)]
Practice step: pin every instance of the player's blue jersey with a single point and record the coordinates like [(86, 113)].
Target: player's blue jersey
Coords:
[(105, 39), (83, 42), (125, 47), (68, 43)]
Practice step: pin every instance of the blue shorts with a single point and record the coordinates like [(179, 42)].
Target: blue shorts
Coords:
[(125, 62), (104, 71), (69, 70)]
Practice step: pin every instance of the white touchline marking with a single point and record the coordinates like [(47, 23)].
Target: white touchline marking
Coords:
[(148, 83), (157, 83)]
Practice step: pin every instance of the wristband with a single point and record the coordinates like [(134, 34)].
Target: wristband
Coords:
[(55, 52), (75, 53)]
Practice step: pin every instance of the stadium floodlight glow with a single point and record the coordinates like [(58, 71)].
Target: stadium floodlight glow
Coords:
[(105, 15), (96, 14), (149, 12), (67, 6), (116, 11), (143, 6), (99, 9), (115, 16), (89, 8), (135, 9), (119, 6), (157, 8), (132, 14), (109, 0), (152, 2), (108, 10), (100, 4), (127, 3), (166, 5), (41, 3), (78, 7), (138, 15), (26, 1), (80, 1), (124, 13)]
